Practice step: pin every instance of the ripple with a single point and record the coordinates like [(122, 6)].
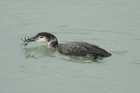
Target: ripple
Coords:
[(38, 52)]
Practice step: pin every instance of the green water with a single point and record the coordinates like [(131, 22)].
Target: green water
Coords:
[(112, 25)]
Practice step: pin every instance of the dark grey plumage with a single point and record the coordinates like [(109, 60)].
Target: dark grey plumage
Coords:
[(81, 49)]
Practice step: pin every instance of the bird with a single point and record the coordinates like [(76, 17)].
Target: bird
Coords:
[(76, 48)]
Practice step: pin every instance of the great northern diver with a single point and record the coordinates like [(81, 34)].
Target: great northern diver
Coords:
[(71, 48)]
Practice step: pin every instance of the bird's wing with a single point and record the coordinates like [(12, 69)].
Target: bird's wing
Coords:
[(91, 47), (82, 48), (72, 49)]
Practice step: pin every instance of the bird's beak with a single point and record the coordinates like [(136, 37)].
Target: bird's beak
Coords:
[(31, 39)]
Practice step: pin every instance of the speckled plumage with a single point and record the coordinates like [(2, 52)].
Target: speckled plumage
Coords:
[(81, 49)]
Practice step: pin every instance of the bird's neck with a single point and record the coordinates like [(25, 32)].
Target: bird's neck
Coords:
[(53, 42)]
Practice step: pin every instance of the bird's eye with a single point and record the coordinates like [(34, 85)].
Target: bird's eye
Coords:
[(41, 37)]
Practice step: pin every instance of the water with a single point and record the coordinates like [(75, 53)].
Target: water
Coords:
[(113, 25)]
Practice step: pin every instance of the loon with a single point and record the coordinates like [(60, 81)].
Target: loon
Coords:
[(78, 48)]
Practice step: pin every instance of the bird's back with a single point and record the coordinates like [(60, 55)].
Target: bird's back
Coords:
[(81, 49)]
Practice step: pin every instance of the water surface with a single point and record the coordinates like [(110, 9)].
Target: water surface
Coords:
[(112, 25)]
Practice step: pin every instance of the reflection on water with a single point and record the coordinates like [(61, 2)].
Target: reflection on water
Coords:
[(38, 52), (82, 59), (44, 51), (123, 52)]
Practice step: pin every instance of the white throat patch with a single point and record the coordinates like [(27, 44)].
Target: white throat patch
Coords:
[(42, 40)]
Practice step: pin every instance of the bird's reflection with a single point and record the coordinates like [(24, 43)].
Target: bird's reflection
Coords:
[(38, 52), (78, 59), (44, 51)]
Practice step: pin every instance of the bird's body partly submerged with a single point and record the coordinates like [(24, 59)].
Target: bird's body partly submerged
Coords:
[(81, 49), (78, 48)]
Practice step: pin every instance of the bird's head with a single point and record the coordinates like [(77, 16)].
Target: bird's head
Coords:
[(45, 37)]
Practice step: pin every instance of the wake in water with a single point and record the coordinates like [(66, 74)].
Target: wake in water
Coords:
[(123, 52)]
